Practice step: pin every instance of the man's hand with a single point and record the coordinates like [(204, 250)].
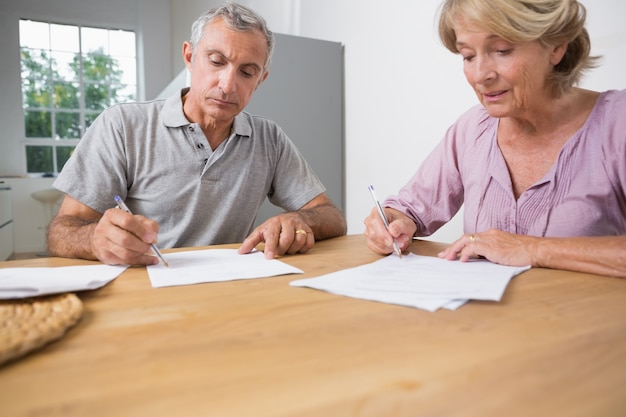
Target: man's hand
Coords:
[(123, 238), (297, 231), (115, 237), (285, 233)]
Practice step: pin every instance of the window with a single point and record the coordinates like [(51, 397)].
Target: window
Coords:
[(69, 75)]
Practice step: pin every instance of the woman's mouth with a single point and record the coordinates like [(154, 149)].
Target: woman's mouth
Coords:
[(495, 95)]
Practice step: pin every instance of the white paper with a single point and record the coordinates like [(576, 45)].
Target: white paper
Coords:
[(423, 282), (214, 265), (31, 282)]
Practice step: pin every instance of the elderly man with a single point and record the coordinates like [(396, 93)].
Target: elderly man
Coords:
[(195, 165)]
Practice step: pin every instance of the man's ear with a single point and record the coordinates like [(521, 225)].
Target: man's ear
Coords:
[(263, 78), (187, 54)]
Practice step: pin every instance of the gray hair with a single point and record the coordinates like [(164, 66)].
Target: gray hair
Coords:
[(236, 17)]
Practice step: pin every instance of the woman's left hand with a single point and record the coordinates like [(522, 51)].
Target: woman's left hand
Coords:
[(495, 245)]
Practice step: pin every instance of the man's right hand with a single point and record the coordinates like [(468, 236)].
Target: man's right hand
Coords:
[(123, 238), (115, 237)]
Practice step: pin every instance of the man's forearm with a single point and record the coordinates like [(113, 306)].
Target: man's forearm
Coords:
[(326, 221), (70, 237)]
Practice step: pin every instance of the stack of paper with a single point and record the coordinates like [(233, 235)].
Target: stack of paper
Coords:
[(417, 281), (31, 282)]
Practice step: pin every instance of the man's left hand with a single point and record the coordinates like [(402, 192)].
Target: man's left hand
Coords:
[(285, 233)]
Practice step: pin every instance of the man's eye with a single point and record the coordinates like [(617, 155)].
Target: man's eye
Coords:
[(249, 71)]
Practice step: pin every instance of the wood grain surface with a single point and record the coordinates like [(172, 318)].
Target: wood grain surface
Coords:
[(554, 346)]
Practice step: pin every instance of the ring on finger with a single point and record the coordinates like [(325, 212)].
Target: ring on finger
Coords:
[(301, 232), (472, 238)]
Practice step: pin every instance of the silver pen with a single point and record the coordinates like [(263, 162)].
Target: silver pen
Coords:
[(385, 221), (122, 205)]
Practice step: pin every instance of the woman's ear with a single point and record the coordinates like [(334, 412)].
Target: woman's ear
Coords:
[(557, 53)]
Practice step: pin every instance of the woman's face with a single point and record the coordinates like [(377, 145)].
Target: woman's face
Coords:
[(510, 80)]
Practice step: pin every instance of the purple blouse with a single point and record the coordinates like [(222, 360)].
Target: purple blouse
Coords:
[(583, 194)]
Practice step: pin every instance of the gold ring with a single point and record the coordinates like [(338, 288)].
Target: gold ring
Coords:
[(472, 238), (301, 232)]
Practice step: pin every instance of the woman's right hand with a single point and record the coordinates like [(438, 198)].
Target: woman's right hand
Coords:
[(380, 240)]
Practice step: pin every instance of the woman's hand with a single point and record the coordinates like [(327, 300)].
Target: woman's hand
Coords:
[(401, 229), (495, 245)]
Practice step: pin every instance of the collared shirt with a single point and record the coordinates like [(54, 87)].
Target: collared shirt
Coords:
[(163, 167), (583, 194)]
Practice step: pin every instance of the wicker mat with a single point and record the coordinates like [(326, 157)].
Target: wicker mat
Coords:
[(30, 323)]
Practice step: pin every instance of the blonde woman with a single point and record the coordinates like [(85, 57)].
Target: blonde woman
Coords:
[(539, 164)]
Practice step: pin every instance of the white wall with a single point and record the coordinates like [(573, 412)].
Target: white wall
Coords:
[(402, 87)]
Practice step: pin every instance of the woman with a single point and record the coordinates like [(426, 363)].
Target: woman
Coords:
[(539, 164)]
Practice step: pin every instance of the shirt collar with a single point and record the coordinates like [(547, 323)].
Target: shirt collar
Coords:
[(173, 115)]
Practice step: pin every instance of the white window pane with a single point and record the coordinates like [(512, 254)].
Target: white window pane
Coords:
[(66, 95), (129, 70), (123, 94), (34, 35), (64, 38), (95, 40), (63, 62), (122, 43), (35, 63)]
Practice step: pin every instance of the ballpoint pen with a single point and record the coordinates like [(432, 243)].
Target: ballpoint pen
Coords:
[(122, 205), (384, 219)]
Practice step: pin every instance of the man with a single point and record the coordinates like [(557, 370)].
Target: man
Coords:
[(195, 165)]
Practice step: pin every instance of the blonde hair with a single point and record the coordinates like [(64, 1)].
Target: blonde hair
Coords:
[(552, 22)]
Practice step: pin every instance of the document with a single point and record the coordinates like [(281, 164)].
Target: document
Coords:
[(423, 282), (31, 282), (214, 265)]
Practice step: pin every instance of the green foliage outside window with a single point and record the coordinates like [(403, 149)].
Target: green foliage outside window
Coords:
[(39, 158), (62, 93)]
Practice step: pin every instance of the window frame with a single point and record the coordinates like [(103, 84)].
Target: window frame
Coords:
[(54, 143)]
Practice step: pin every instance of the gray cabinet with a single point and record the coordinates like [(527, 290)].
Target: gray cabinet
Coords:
[(304, 95)]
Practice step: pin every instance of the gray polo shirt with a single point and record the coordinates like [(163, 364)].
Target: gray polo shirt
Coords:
[(162, 166)]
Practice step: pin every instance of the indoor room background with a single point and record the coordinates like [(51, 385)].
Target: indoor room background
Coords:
[(402, 88)]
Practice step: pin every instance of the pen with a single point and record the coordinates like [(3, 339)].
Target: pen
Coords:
[(385, 221), (120, 204)]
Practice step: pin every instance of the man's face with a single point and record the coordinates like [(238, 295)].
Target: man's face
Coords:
[(226, 68)]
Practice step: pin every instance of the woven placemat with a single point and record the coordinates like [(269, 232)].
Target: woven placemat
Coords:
[(30, 323)]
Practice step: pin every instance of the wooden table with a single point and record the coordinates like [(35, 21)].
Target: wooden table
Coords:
[(554, 346)]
